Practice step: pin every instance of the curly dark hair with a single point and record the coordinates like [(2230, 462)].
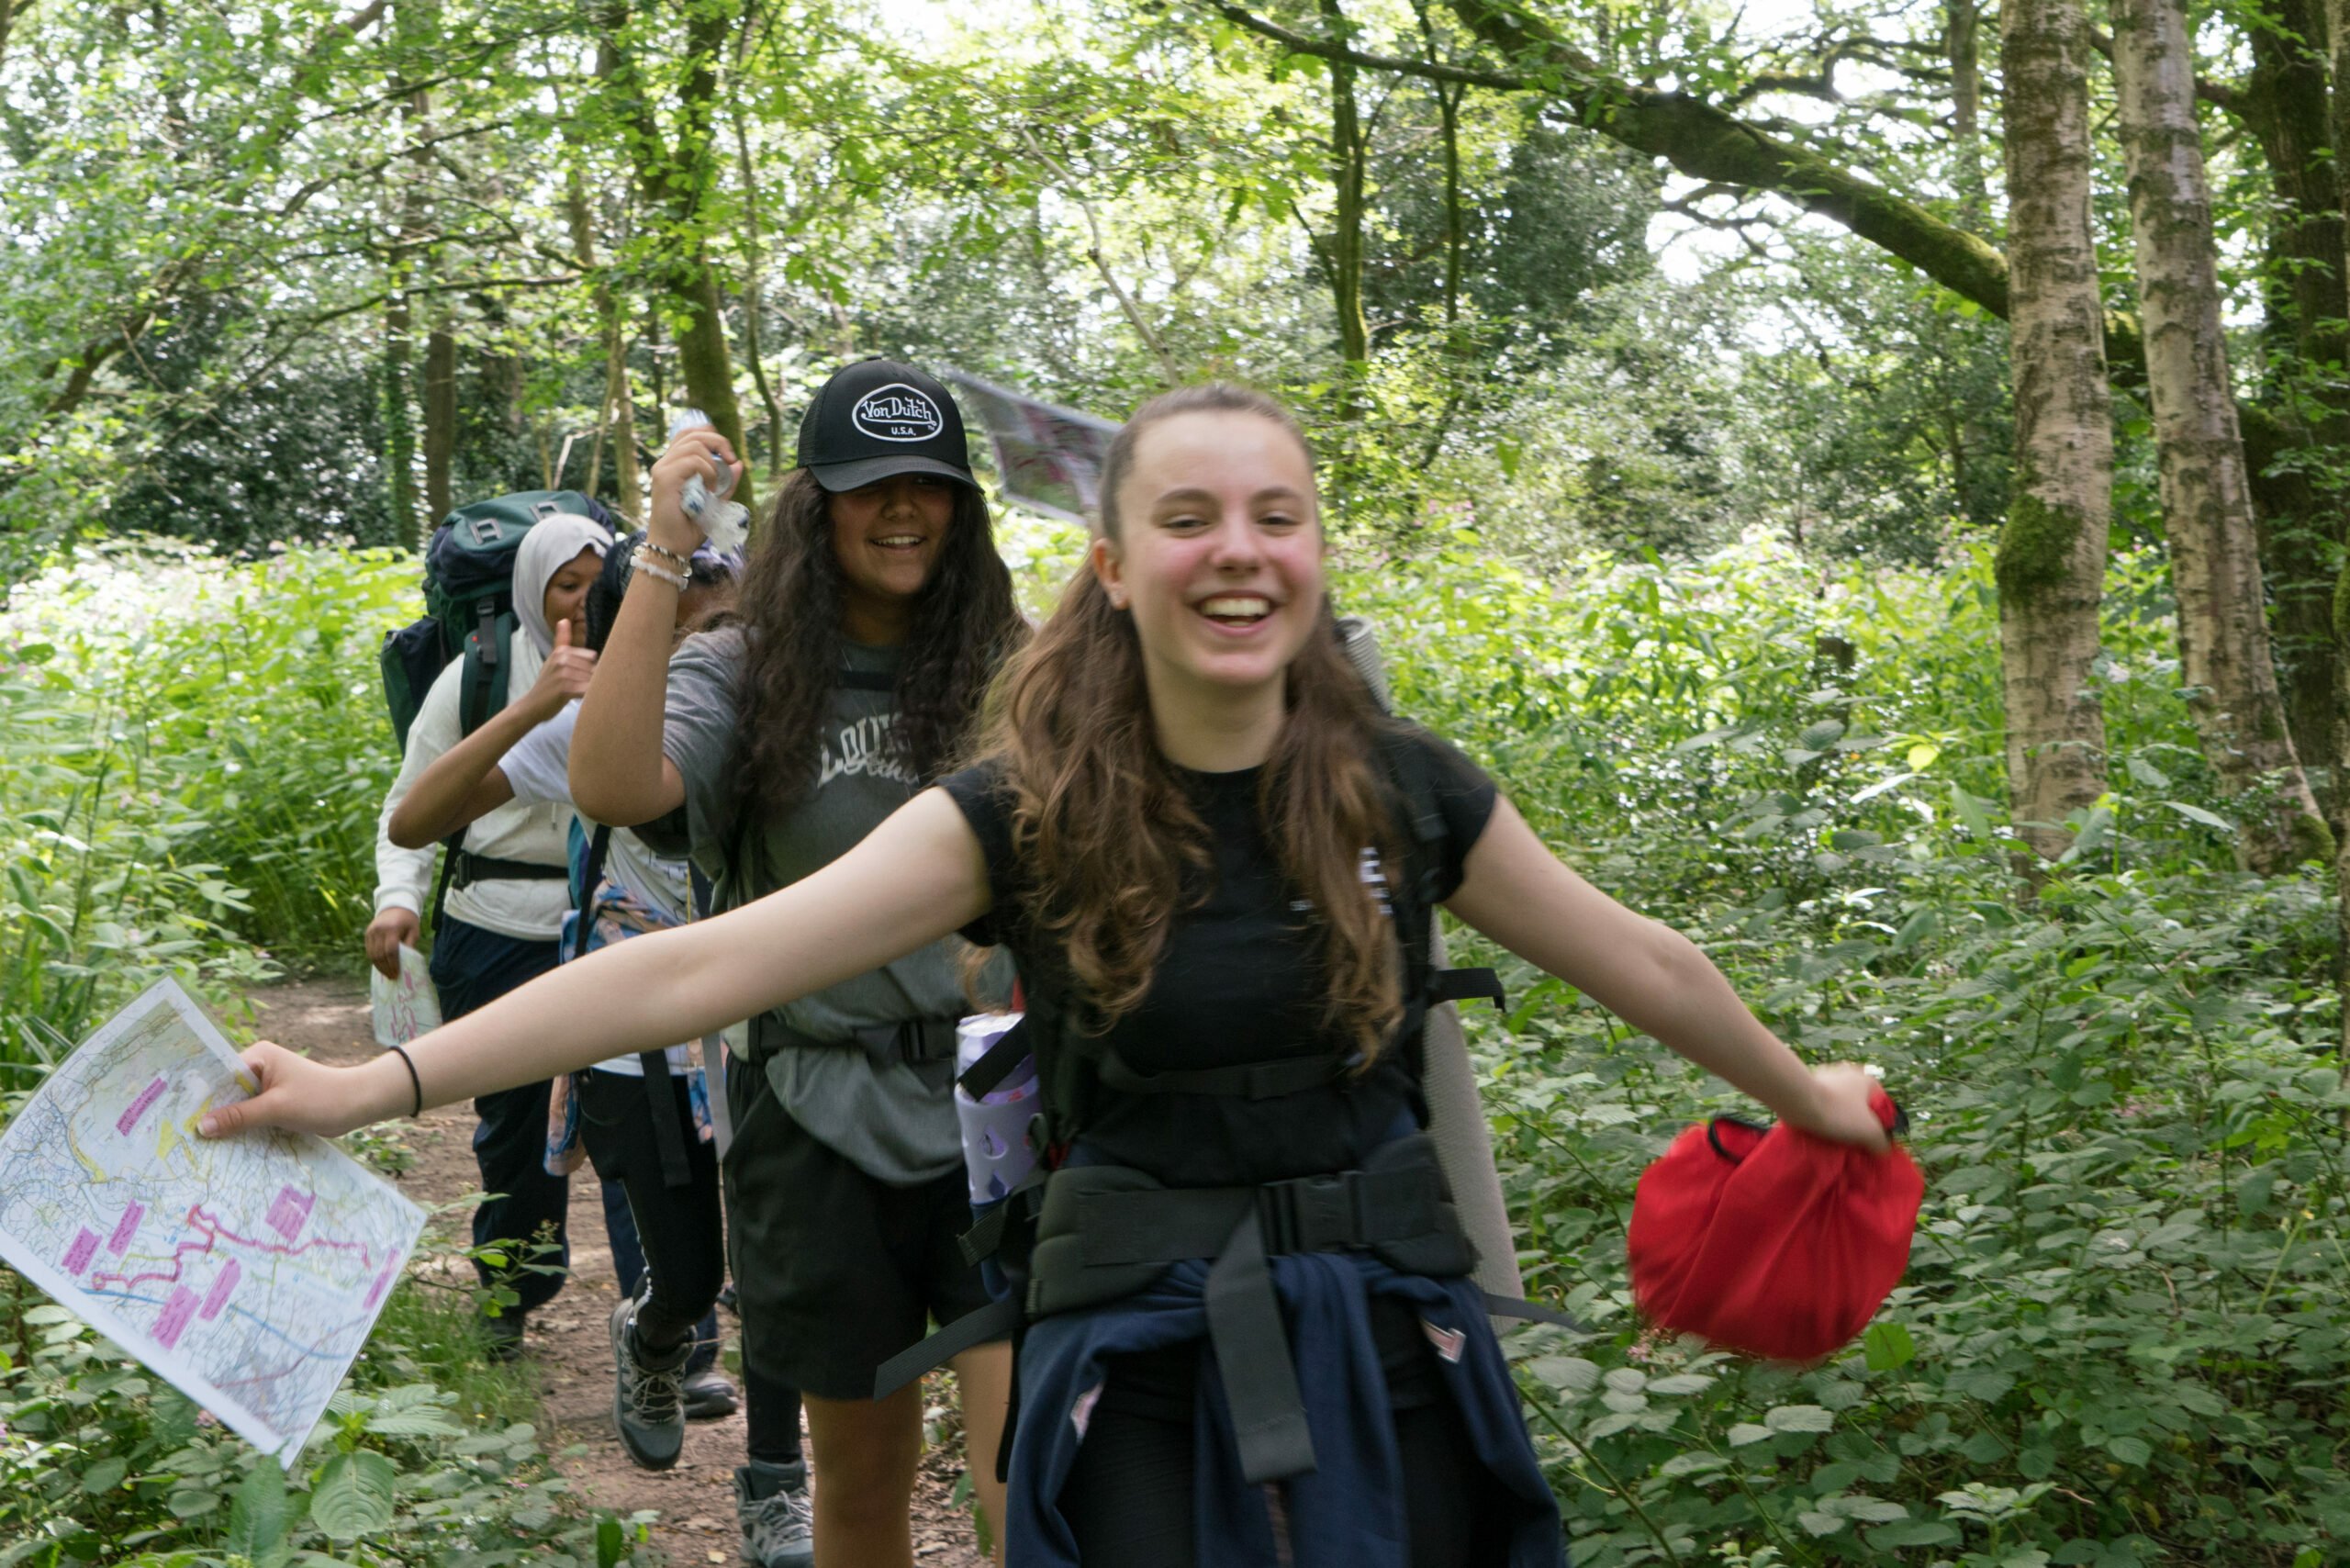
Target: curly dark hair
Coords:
[(964, 624)]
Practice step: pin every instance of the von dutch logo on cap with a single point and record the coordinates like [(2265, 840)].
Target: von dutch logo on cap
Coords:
[(898, 412)]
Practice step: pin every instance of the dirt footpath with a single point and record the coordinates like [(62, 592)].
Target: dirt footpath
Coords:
[(569, 1337)]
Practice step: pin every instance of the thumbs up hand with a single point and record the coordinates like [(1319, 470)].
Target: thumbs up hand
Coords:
[(564, 677)]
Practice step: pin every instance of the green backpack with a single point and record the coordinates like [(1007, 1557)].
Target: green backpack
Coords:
[(468, 605)]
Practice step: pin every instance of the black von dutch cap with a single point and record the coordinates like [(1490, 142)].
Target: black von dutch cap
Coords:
[(877, 418)]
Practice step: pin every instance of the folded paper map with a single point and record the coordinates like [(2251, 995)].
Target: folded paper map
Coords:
[(247, 1271)]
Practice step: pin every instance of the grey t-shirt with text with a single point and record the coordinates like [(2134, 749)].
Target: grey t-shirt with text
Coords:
[(896, 1123)]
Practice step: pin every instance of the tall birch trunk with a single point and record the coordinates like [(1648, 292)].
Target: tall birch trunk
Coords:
[(2206, 490), (2337, 28), (2052, 551)]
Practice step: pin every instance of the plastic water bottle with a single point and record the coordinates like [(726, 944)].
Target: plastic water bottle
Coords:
[(725, 524), (996, 1155)]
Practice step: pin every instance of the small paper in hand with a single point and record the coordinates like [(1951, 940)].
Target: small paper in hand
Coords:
[(407, 1006)]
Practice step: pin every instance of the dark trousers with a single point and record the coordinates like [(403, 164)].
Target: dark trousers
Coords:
[(472, 967), (627, 1267), (682, 1235)]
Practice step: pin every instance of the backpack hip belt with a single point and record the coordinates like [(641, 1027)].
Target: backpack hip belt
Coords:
[(909, 1040), (1104, 1234), (466, 868)]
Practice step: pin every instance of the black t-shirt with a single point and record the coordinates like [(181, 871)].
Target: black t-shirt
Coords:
[(1238, 981)]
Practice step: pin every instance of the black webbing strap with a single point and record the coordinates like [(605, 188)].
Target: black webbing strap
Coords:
[(985, 1076), (466, 868), (1248, 1080), (908, 1040), (911, 1040), (1466, 985), (1252, 1357), (1531, 1311), (661, 1104), (985, 1237), (994, 1321)]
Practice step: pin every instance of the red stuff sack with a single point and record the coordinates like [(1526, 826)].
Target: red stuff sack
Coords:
[(1770, 1240)]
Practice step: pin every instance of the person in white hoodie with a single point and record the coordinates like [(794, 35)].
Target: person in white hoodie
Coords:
[(508, 894)]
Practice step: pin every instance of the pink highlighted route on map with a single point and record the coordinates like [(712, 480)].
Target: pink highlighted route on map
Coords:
[(217, 1296), (176, 1312), (382, 1283), (147, 1097), (125, 1228), (84, 1247), (287, 1215)]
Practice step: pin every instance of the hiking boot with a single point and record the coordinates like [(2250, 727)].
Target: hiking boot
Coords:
[(709, 1394), (777, 1520), (648, 1405)]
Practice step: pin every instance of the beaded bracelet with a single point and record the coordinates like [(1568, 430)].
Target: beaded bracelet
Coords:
[(680, 562), (640, 567)]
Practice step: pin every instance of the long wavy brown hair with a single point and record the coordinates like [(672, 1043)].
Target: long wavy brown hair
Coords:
[(1107, 839), (965, 624)]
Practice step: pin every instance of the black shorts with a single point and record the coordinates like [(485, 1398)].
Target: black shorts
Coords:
[(836, 1272)]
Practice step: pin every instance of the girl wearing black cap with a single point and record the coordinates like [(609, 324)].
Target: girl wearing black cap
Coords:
[(1258, 1340), (872, 615)]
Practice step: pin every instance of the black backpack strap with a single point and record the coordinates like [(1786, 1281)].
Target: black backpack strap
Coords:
[(1411, 771), (661, 1104), (489, 669)]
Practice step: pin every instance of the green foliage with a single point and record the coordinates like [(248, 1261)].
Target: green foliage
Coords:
[(2121, 1339), (100, 1462), (195, 756)]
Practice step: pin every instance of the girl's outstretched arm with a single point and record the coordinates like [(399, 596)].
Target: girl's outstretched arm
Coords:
[(1517, 892), (913, 879)]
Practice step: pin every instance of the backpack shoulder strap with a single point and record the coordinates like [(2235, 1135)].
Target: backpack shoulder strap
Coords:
[(489, 669)]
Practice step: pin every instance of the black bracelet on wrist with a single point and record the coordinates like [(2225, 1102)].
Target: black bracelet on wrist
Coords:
[(680, 562), (413, 1081)]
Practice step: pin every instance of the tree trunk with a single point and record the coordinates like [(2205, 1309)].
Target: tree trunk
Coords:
[(2206, 493), (619, 414), (1963, 42), (1346, 176), (2285, 104), (440, 419), (675, 184), (619, 399), (2052, 551), (400, 419), (754, 293), (2337, 30)]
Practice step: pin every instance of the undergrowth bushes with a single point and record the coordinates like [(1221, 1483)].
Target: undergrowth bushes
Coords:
[(192, 755), (2124, 1338)]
